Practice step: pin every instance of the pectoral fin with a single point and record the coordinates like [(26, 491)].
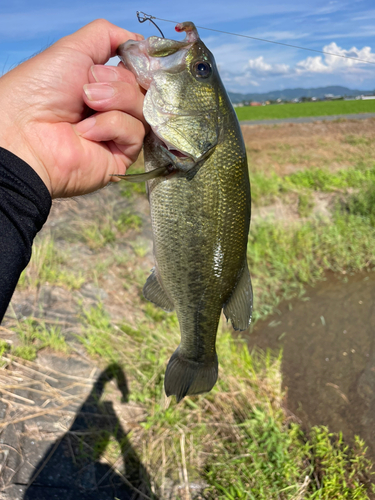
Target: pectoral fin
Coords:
[(240, 304), (155, 293), (146, 176)]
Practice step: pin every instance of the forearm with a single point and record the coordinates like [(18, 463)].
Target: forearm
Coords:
[(25, 203)]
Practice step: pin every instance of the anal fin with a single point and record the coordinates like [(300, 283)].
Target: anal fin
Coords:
[(155, 293), (240, 304)]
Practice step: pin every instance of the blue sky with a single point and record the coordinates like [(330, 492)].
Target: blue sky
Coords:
[(340, 26)]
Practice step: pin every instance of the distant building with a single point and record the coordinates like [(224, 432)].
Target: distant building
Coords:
[(254, 103), (366, 97), (331, 97)]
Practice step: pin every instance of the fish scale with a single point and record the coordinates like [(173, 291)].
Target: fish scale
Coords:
[(200, 205)]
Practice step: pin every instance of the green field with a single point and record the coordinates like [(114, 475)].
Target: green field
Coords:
[(321, 108)]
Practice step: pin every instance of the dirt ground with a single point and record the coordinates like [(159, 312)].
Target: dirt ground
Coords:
[(287, 148)]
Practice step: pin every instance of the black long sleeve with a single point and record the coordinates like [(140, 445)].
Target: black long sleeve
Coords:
[(25, 203)]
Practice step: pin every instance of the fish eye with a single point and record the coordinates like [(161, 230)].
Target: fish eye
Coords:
[(202, 69)]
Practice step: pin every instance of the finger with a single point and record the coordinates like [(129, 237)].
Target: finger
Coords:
[(120, 96), (124, 130), (100, 73), (99, 40)]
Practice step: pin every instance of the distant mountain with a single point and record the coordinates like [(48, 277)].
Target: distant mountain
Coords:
[(289, 94)]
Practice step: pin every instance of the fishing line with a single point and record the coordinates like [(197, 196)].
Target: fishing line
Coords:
[(148, 17)]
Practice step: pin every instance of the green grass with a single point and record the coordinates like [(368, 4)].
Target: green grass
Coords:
[(283, 259), (240, 443), (106, 229), (35, 335), (266, 187), (128, 220), (305, 204), (47, 265), (268, 460), (362, 204), (236, 438), (323, 180), (321, 108)]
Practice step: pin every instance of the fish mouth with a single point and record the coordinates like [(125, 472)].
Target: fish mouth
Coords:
[(170, 149), (177, 153)]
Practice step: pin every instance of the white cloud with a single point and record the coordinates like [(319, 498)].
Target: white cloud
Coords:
[(312, 65), (333, 63), (259, 68)]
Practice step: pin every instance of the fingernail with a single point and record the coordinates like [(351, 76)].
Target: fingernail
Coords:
[(85, 125), (104, 73), (98, 91)]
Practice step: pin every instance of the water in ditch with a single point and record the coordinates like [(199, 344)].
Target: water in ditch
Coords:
[(328, 342)]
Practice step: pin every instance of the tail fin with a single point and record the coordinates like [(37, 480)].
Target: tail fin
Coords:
[(184, 376)]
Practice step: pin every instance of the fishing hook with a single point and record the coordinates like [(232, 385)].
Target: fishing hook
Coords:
[(142, 17)]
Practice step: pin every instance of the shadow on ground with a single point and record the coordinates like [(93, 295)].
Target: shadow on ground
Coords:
[(73, 467)]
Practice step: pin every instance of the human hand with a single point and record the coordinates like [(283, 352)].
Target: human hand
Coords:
[(46, 122)]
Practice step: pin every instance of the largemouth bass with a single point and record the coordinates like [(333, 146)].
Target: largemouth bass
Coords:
[(199, 193)]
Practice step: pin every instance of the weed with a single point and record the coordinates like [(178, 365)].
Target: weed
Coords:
[(140, 248), (103, 231), (340, 472), (135, 334), (96, 335), (52, 338), (27, 352), (358, 140), (266, 463), (46, 265), (305, 204), (98, 234), (128, 220), (4, 347), (363, 204), (323, 180), (35, 335), (155, 313), (270, 461), (129, 189), (264, 188)]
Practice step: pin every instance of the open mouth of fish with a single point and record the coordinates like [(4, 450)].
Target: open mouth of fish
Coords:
[(177, 153), (171, 149)]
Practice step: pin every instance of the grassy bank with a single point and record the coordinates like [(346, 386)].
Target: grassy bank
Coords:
[(290, 110), (239, 441)]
